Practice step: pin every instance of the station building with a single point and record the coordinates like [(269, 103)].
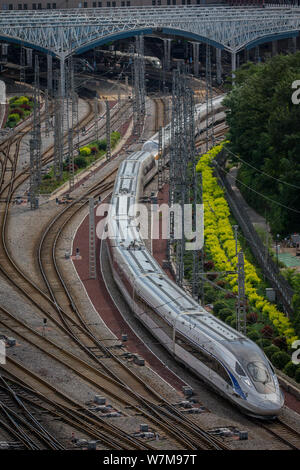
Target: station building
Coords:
[(65, 4)]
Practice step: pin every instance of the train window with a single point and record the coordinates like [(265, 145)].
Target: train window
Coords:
[(224, 374), (271, 367), (239, 370), (261, 377), (213, 364)]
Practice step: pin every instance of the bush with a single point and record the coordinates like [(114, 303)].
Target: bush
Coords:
[(80, 162), (264, 343), (290, 369), (270, 350), (46, 177), (19, 111), (233, 323), (252, 317), (114, 138), (254, 336), (230, 295), (280, 342), (210, 295), (94, 150), (229, 319), (26, 107), (280, 359), (208, 265), (85, 151), (221, 283), (102, 144), (267, 331), (224, 313), (10, 124), (22, 100), (219, 305), (297, 375), (14, 117)]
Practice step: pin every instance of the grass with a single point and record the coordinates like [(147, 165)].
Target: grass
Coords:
[(81, 163)]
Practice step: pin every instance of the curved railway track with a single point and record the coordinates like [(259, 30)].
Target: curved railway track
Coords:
[(283, 432), (72, 412), (20, 421), (159, 411)]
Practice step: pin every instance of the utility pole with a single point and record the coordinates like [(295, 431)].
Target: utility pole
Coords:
[(58, 139), (96, 118), (139, 100), (182, 152), (29, 57), (209, 99), (22, 64), (47, 114), (241, 302), (236, 239), (49, 74), (108, 131), (35, 142), (160, 166), (92, 240)]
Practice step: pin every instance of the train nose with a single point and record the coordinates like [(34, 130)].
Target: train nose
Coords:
[(272, 407)]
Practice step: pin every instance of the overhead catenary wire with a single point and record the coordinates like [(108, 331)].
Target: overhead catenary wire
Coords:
[(262, 172), (259, 193)]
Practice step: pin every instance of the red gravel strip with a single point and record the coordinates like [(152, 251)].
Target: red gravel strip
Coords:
[(292, 402), (159, 246), (107, 310)]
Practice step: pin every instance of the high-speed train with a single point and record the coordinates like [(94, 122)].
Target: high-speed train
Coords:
[(221, 356), (127, 56)]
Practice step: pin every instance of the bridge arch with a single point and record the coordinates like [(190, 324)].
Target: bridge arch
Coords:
[(145, 31), (15, 40)]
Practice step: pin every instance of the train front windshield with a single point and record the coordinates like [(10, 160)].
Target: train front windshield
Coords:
[(261, 378)]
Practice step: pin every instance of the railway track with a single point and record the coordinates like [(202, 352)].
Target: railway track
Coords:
[(174, 422), (20, 421), (159, 114), (51, 400), (283, 432), (142, 394)]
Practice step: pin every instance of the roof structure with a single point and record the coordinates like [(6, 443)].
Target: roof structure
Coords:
[(65, 32)]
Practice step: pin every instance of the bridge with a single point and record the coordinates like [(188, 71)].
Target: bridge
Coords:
[(62, 33)]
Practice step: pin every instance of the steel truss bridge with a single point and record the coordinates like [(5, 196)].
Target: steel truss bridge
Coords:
[(65, 32), (62, 33)]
